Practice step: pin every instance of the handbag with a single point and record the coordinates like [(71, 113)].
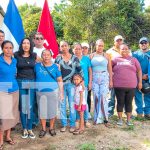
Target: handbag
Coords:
[(145, 88)]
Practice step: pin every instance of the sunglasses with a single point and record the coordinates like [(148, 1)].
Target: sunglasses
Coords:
[(143, 43), (39, 38)]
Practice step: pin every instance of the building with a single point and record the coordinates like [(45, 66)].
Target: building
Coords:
[(1, 16)]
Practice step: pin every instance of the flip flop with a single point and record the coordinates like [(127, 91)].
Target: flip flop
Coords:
[(10, 141), (76, 132), (1, 147)]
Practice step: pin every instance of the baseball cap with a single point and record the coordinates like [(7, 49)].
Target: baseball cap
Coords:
[(84, 44), (118, 37), (143, 39)]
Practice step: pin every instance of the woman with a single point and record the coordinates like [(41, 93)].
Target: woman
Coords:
[(102, 80), (69, 65), (85, 64), (9, 94), (126, 70), (26, 60), (48, 80)]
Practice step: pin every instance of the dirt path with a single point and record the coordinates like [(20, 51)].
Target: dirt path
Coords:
[(95, 138)]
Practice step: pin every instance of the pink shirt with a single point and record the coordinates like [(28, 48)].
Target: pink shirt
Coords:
[(125, 72)]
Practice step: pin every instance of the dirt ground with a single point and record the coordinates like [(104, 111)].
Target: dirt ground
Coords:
[(97, 137)]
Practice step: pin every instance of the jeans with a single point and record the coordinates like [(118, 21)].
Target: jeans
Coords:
[(26, 102), (86, 112), (68, 94), (111, 102), (142, 102)]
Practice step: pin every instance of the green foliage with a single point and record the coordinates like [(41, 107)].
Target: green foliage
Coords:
[(86, 146), (30, 17)]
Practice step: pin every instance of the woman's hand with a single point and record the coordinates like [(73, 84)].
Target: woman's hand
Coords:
[(61, 96), (139, 85), (145, 77), (110, 84)]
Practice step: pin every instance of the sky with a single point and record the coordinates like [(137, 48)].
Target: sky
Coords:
[(40, 3)]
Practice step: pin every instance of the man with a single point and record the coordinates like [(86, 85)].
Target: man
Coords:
[(140, 99), (38, 42), (114, 52), (2, 38)]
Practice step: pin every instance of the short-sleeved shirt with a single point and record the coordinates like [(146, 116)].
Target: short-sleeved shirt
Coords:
[(143, 60), (25, 66), (125, 72), (68, 69), (113, 53), (8, 82), (85, 63), (44, 81), (79, 89)]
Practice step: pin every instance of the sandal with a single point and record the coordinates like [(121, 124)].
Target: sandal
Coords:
[(10, 141), (1, 147), (52, 132), (76, 132), (42, 134)]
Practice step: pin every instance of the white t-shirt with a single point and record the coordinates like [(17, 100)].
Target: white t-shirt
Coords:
[(78, 89), (38, 51)]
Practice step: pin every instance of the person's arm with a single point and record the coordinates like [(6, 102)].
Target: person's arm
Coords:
[(90, 79), (81, 100), (109, 67), (61, 89)]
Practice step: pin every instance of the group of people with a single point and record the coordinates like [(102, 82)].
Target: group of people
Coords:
[(34, 86)]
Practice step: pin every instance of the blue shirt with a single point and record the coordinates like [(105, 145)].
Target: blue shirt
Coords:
[(8, 82), (44, 82), (143, 60), (85, 64)]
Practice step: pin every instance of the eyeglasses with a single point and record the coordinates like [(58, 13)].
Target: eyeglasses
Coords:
[(143, 43), (39, 38), (84, 48)]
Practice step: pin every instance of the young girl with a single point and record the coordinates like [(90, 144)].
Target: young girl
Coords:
[(80, 102)]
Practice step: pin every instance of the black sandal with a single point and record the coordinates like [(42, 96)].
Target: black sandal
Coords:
[(42, 134), (52, 132)]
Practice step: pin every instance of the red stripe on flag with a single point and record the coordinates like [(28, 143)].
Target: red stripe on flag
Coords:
[(46, 27)]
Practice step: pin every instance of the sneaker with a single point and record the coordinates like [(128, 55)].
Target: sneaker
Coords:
[(87, 124), (63, 129), (147, 117), (72, 129), (129, 123), (120, 122), (89, 116), (24, 134), (31, 134)]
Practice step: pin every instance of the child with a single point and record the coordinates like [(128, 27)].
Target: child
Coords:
[(80, 102)]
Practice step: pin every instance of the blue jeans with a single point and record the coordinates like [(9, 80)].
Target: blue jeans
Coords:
[(68, 94), (142, 103), (26, 102), (86, 112), (111, 102)]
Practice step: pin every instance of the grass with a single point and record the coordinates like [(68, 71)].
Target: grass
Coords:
[(50, 147), (147, 142), (86, 146), (129, 128), (119, 148)]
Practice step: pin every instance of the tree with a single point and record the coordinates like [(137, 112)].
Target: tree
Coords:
[(30, 16)]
